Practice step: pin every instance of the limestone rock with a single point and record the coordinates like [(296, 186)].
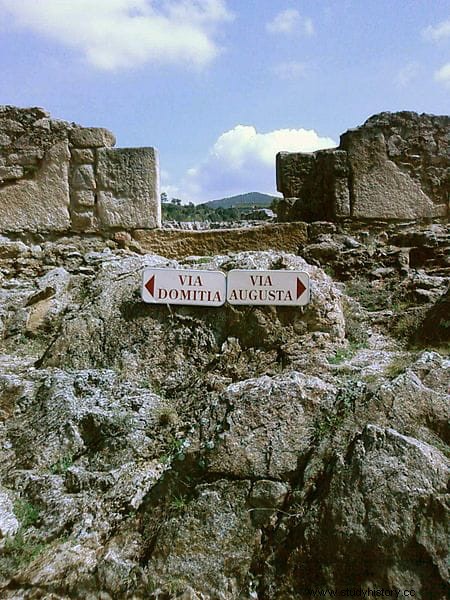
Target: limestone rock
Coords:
[(348, 538), (266, 425), (128, 180), (8, 521), (39, 204), (208, 548), (92, 137), (380, 189)]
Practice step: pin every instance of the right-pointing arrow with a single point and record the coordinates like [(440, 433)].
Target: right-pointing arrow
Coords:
[(300, 288), (150, 285)]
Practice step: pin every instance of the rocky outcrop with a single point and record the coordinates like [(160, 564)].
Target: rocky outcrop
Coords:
[(56, 176), (233, 453), (395, 166)]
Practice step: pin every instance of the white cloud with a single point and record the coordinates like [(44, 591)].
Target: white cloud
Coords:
[(118, 34), (443, 74), (289, 71), (243, 160), (437, 32), (407, 74), (290, 21)]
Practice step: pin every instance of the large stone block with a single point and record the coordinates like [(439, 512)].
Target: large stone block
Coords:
[(92, 137), (42, 203), (380, 189), (128, 184), (395, 166)]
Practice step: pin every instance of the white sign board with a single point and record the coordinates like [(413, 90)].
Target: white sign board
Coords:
[(188, 287), (280, 288)]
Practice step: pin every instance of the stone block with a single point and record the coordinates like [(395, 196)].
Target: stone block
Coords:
[(82, 156), (5, 140), (8, 173), (293, 170), (83, 222), (92, 137), (128, 183), (83, 198), (26, 157), (380, 189), (83, 178), (40, 204)]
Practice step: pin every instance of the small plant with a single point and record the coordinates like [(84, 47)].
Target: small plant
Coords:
[(343, 354), (407, 324), (345, 403), (62, 464), (176, 447), (20, 549), (178, 503), (26, 513), (397, 366), (167, 416)]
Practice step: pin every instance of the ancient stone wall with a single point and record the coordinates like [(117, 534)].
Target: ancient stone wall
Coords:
[(395, 166), (56, 176)]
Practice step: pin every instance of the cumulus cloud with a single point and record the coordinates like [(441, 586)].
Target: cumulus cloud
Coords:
[(243, 160), (118, 34), (437, 32), (289, 71), (443, 74), (290, 21)]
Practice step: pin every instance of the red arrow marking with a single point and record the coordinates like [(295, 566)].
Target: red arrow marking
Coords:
[(150, 286), (300, 288)]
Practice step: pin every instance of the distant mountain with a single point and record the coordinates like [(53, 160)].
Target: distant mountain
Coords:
[(250, 199)]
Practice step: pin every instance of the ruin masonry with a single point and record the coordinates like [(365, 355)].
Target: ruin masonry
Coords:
[(396, 166), (57, 177)]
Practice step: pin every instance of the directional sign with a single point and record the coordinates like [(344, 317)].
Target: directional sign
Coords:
[(189, 287), (281, 288)]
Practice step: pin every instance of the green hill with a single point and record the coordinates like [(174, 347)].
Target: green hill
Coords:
[(250, 199)]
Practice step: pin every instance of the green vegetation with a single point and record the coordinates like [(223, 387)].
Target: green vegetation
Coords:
[(376, 295), (345, 403), (62, 464), (226, 210), (178, 503), (397, 366), (26, 513), (22, 548)]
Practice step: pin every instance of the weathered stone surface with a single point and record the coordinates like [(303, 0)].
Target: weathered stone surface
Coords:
[(82, 155), (9, 173), (380, 190), (268, 425), (384, 473), (42, 203), (92, 137), (209, 548), (8, 522), (128, 182), (83, 178), (221, 454), (178, 244), (395, 166), (84, 221), (436, 325), (29, 181), (83, 198)]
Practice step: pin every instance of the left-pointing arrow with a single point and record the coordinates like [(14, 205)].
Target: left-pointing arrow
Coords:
[(150, 285)]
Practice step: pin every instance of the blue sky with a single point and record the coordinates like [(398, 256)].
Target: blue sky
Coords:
[(219, 86)]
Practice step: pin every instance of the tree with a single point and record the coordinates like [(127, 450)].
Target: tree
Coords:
[(164, 198)]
